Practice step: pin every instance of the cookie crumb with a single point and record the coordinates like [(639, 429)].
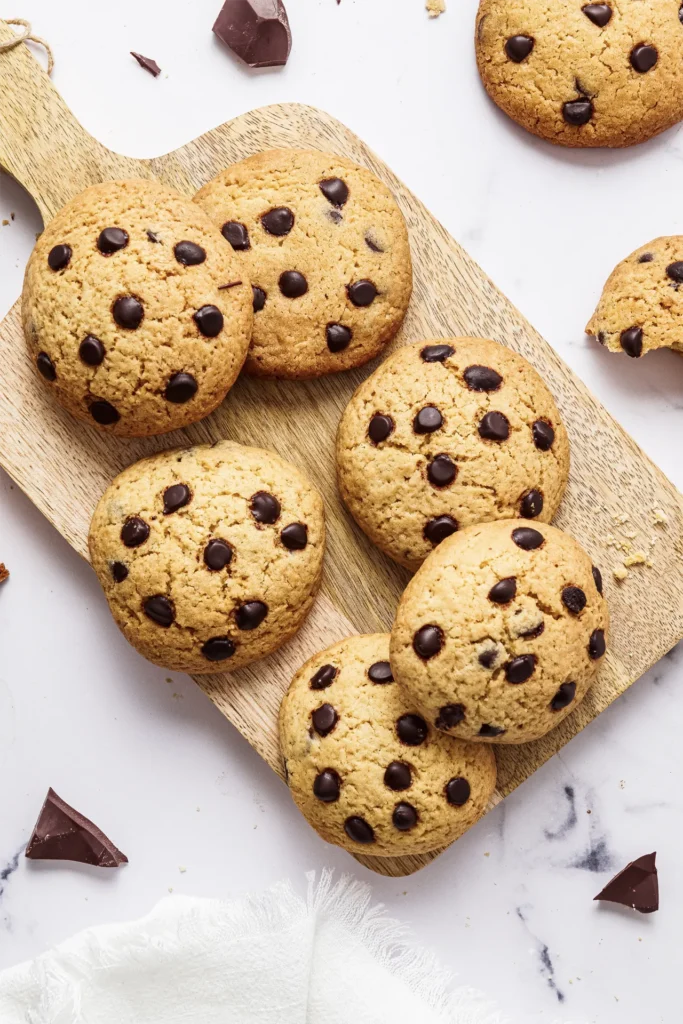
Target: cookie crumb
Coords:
[(435, 7), (659, 518), (5, 223), (637, 558), (4, 573), (621, 518), (182, 870), (620, 572)]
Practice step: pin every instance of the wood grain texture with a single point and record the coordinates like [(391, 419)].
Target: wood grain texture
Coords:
[(64, 466)]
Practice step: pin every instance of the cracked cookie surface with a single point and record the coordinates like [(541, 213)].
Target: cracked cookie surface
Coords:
[(210, 557), (446, 434), (499, 635), (584, 74), (326, 249), (134, 311), (367, 772)]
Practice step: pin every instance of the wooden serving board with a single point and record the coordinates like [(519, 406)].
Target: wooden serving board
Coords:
[(64, 466)]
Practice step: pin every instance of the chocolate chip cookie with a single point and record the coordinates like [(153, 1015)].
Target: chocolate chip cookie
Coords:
[(366, 770), (445, 434), (500, 633), (584, 74), (136, 314), (326, 249), (210, 557), (641, 307)]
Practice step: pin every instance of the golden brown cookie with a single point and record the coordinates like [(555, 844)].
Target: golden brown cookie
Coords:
[(326, 249), (367, 772), (584, 74), (641, 307), (446, 434), (135, 311), (210, 557), (499, 635)]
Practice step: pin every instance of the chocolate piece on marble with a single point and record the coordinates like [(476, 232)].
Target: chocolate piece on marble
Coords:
[(637, 886), (257, 31), (62, 833)]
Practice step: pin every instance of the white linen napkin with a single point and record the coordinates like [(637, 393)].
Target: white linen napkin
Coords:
[(331, 958)]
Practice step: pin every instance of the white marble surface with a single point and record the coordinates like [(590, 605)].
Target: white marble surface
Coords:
[(510, 907)]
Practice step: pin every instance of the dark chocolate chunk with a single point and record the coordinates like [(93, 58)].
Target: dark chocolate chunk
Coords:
[(599, 14), (518, 48), (439, 528), (62, 833), (531, 504), (436, 353), (526, 538), (427, 420), (293, 284), (257, 31), (643, 57), (358, 830), (335, 216), (574, 599), (128, 312), (543, 435), (449, 716), (217, 554), (134, 532), (373, 244), (159, 609), (597, 645), (153, 237), (218, 648), (491, 730), (111, 240), (259, 298), (278, 221), (494, 426), (489, 657), (91, 350), (577, 112), (295, 536), (189, 254), (631, 341), (147, 63), (119, 572), (251, 614), (59, 257), (381, 672), (338, 337), (209, 321), (335, 191), (637, 886), (380, 427), (482, 378), (597, 576), (675, 271), (533, 632), (412, 730), (46, 367), (230, 284), (175, 497), (327, 786), (647, 257), (442, 471), (181, 388), (237, 234), (324, 719), (428, 641), (503, 591), (264, 507), (521, 668), (458, 792), (564, 696), (398, 776), (404, 817), (324, 677), (362, 293), (104, 413)]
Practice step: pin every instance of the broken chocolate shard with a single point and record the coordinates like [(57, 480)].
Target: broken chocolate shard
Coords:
[(147, 63), (4, 572), (637, 886), (62, 833), (230, 284), (257, 31)]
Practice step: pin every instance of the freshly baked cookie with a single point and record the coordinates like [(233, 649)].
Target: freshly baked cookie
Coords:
[(641, 306), (326, 249), (134, 311), (210, 557), (499, 634), (368, 773), (584, 74), (445, 434)]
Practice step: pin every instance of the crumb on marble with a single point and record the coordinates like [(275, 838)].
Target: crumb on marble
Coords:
[(182, 870), (5, 222), (4, 572), (435, 7)]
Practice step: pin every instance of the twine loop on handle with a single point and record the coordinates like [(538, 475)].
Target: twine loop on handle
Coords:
[(25, 37)]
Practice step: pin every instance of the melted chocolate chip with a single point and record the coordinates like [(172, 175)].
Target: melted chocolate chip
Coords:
[(335, 191), (596, 644), (251, 614), (412, 730), (46, 367), (338, 337), (209, 321), (327, 785), (91, 350), (427, 420), (599, 14), (153, 237), (398, 776), (458, 792), (519, 669), (119, 572), (293, 284), (362, 293), (181, 388), (104, 413), (534, 632), (675, 271), (278, 221), (526, 538), (482, 378), (380, 427), (259, 298), (218, 648), (531, 505), (295, 536), (59, 257), (134, 532), (217, 554), (358, 830), (176, 496), (439, 528), (436, 353), (111, 240), (491, 730), (324, 677), (128, 312), (488, 658), (160, 610), (574, 599), (264, 507), (631, 341), (577, 112), (428, 641), (324, 719), (503, 591), (449, 716), (643, 57), (597, 577), (494, 426), (646, 257), (189, 254), (404, 817), (381, 672), (236, 234), (518, 48), (564, 696), (442, 471), (543, 435), (373, 244)]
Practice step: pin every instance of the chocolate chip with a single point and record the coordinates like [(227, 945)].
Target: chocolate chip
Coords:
[(631, 341), (412, 730), (111, 240), (449, 716), (458, 792), (531, 505), (380, 427), (160, 610), (398, 776), (519, 669), (491, 730), (439, 528), (264, 507), (278, 221), (503, 591), (494, 426), (482, 378), (335, 191), (596, 644), (259, 298), (427, 420), (643, 57), (526, 538), (362, 293), (543, 435), (128, 312), (217, 554), (181, 388), (335, 216), (428, 641), (46, 367), (218, 648), (189, 254), (251, 614), (324, 719), (327, 785), (91, 350), (680, 13), (519, 47), (230, 284), (338, 337), (59, 257), (236, 234), (295, 536), (381, 672), (209, 321), (442, 471), (104, 413), (373, 244), (404, 817), (488, 658), (577, 112), (119, 572), (175, 497), (293, 284), (599, 14), (358, 830), (647, 257), (602, 337), (134, 532), (153, 237), (534, 632), (436, 353), (597, 577), (564, 696), (574, 599), (675, 271), (324, 677)]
